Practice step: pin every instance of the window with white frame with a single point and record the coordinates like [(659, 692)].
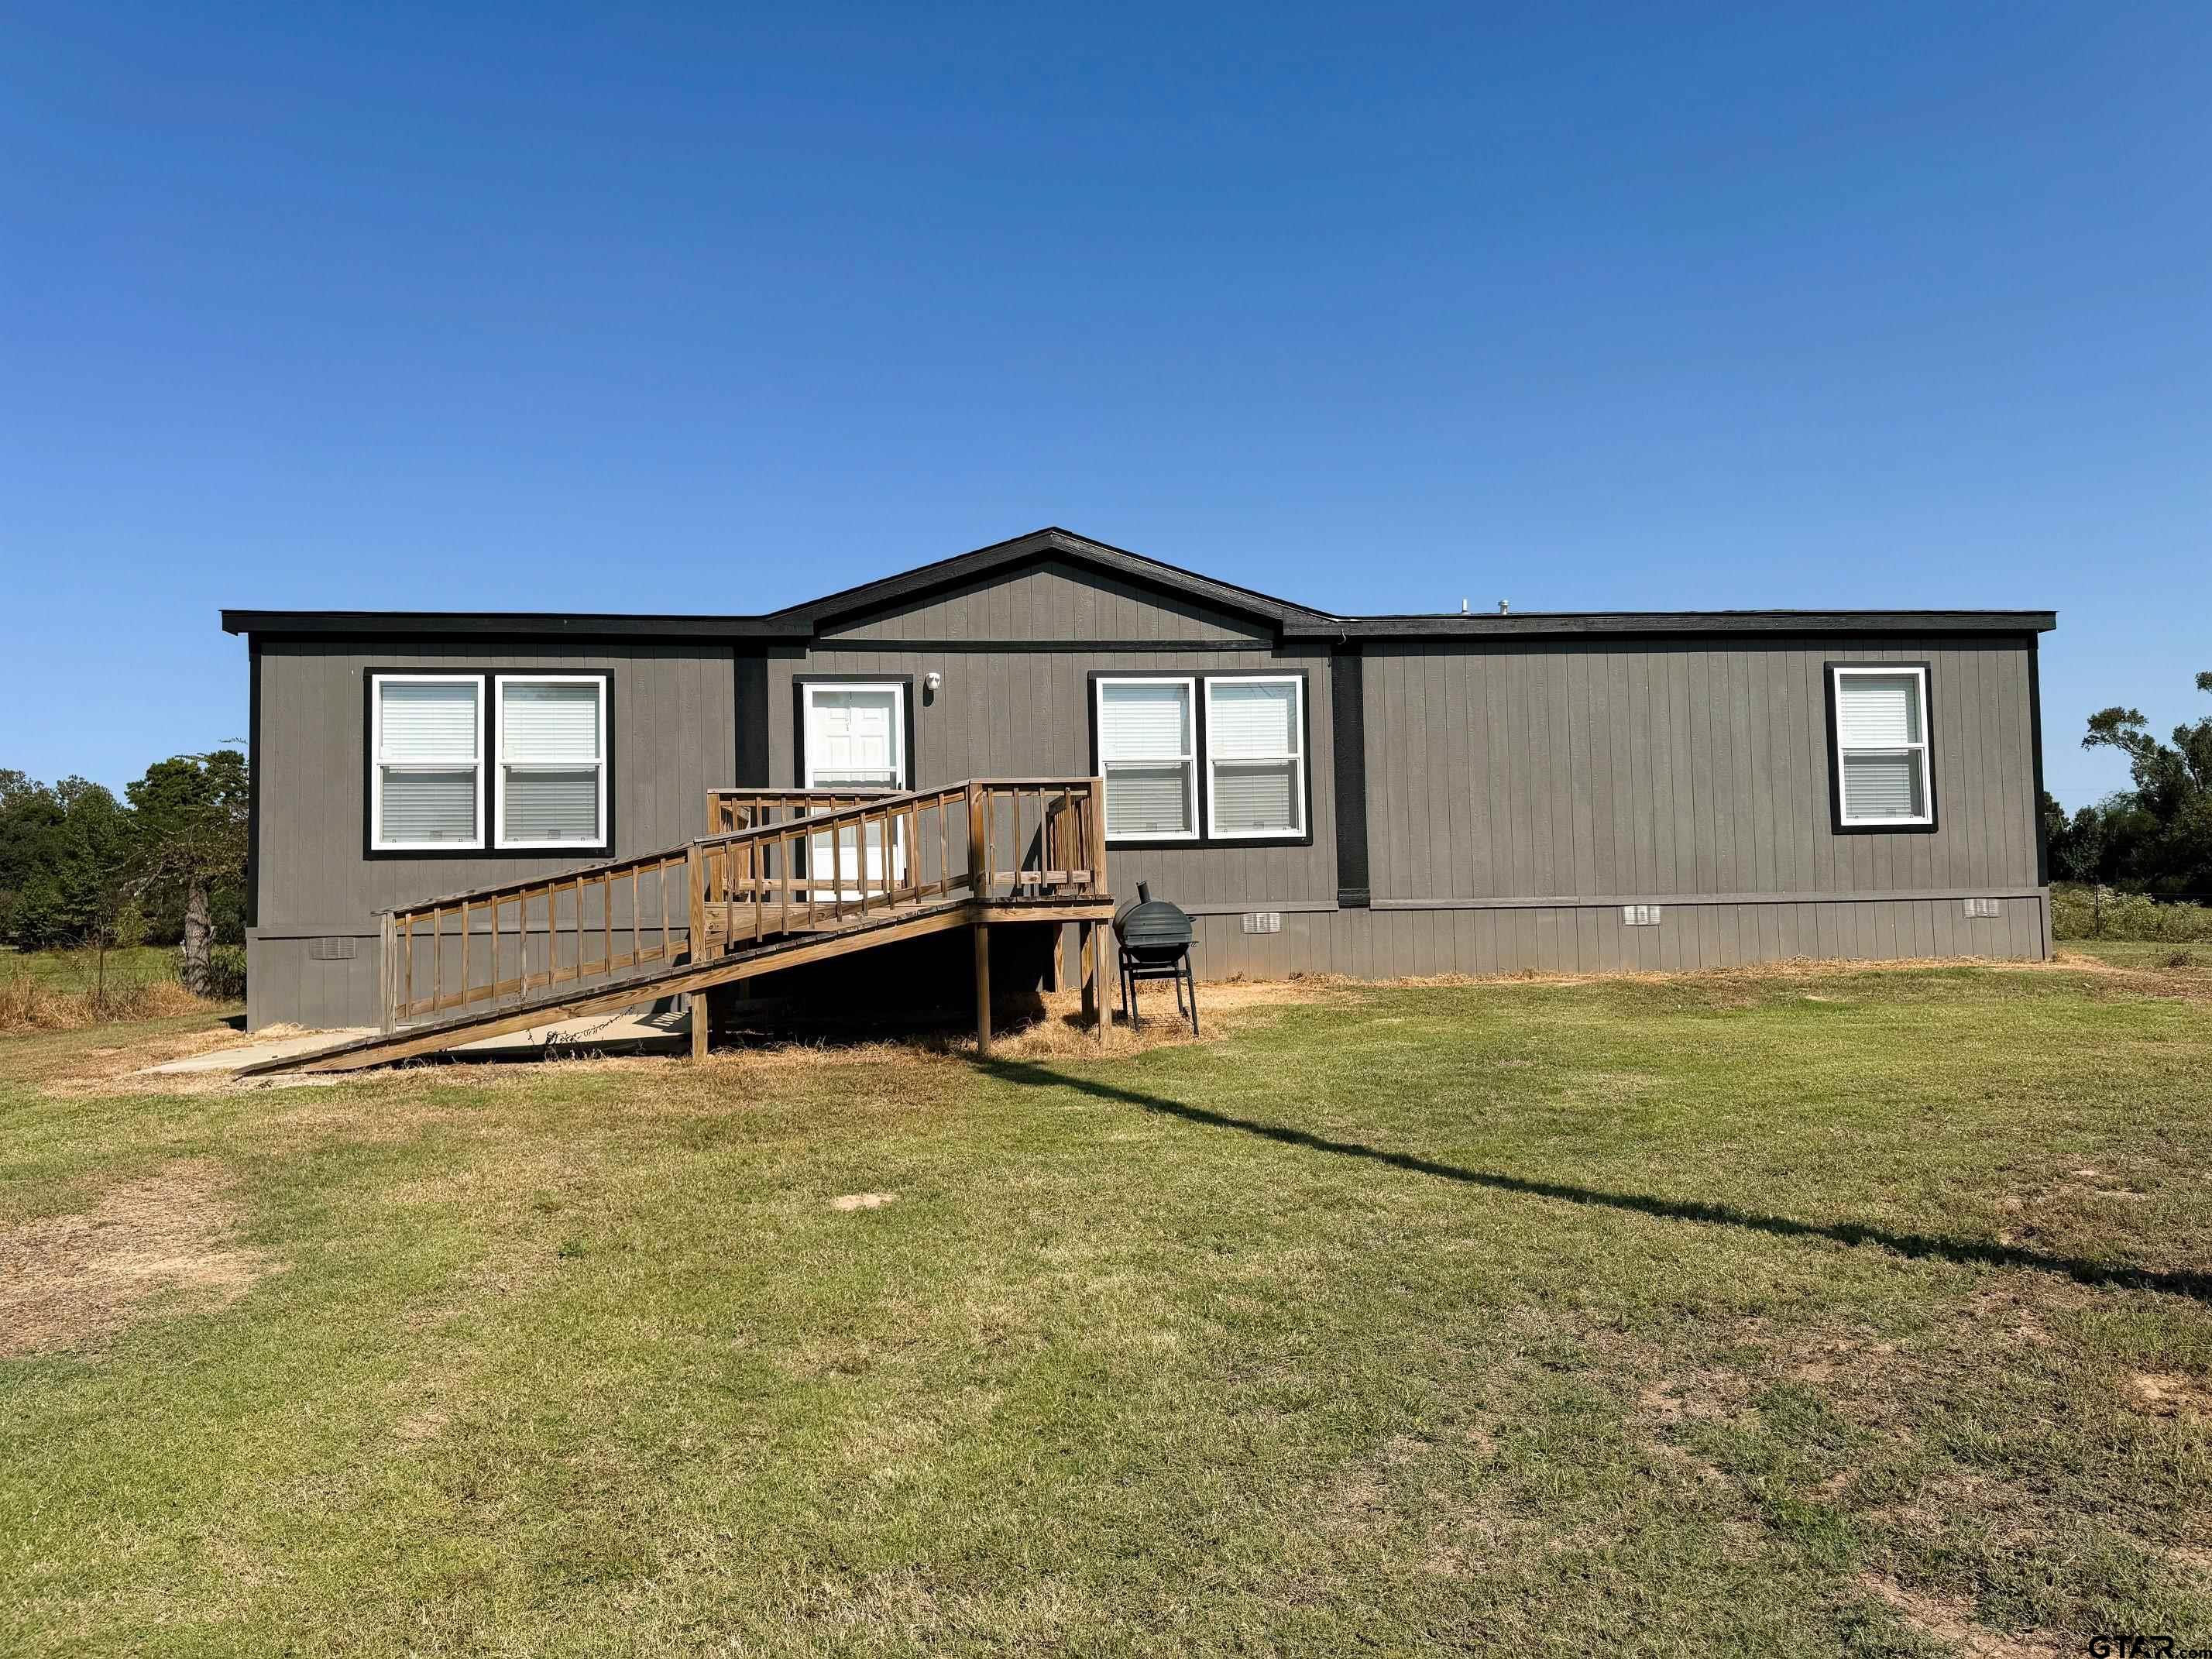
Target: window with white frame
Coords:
[(1148, 755), (550, 786), (1882, 777), (426, 772), (1254, 758)]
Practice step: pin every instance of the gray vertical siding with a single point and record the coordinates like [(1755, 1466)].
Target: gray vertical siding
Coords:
[(1518, 792), (1673, 770), (674, 738)]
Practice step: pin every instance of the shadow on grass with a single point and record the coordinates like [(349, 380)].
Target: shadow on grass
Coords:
[(1968, 1252)]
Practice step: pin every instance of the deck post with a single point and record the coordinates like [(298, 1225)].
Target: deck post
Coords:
[(701, 1022), (390, 972), (695, 872), (984, 990), (1098, 838), (1054, 976), (978, 874), (1101, 1014)]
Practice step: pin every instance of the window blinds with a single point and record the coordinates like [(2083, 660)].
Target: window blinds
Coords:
[(1251, 720), (428, 721), (427, 775), (1878, 711), (1145, 732), (1144, 722), (1881, 746), (1254, 754), (550, 753)]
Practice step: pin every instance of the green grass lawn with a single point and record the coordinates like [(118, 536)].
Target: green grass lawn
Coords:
[(75, 970), (1803, 1314)]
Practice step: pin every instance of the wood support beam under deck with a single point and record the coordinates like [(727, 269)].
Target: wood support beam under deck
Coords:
[(983, 989), (1101, 1013)]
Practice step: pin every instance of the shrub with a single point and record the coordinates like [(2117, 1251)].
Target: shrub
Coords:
[(227, 973), (2080, 912)]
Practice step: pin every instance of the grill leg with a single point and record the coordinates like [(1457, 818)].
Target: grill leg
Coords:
[(1190, 975)]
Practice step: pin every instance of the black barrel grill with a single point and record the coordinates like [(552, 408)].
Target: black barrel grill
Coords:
[(1156, 938)]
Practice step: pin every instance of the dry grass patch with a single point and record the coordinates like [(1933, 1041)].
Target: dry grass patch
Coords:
[(67, 1282), (2164, 1393), (1947, 1619), (30, 1004)]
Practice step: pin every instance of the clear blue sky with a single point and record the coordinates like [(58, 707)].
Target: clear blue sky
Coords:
[(663, 308)]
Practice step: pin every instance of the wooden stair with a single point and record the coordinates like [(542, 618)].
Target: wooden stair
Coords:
[(805, 877)]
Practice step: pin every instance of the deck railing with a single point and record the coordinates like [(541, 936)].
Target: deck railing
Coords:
[(798, 863), (750, 809), (502, 943)]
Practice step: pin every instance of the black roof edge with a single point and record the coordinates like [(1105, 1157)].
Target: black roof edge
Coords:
[(1584, 622), (800, 622), (539, 625), (797, 622), (532, 624)]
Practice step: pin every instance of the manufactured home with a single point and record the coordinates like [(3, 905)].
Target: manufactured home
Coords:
[(462, 820)]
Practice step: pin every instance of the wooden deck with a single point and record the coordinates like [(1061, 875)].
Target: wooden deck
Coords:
[(785, 878)]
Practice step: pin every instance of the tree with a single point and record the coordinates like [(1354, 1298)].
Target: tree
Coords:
[(190, 813), (2156, 836), (65, 852)]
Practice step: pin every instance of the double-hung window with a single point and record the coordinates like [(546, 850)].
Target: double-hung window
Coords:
[(1148, 755), (1882, 777), (1202, 757), (426, 771), (551, 787), (1254, 758)]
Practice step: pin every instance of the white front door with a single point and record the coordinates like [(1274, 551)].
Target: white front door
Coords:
[(856, 740)]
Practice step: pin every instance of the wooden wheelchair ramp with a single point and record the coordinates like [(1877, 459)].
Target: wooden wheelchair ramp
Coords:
[(801, 877)]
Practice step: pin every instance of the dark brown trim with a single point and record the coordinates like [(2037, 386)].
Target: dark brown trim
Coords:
[(1051, 647), (1348, 751), (2035, 743), (1206, 840), (1683, 901), (252, 783), (568, 628), (485, 802), (799, 685), (749, 702), (387, 625), (1835, 823), (1599, 624)]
